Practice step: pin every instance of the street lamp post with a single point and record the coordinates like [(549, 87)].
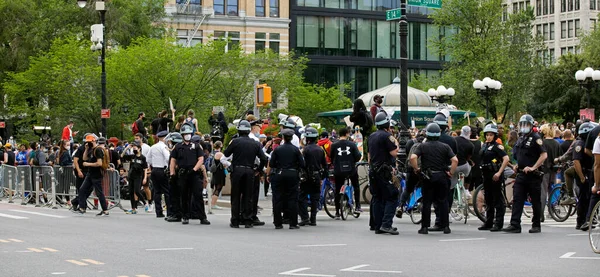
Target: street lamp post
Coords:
[(487, 87), (101, 45), (587, 78), (441, 94)]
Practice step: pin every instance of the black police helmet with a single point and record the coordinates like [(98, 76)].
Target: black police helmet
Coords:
[(382, 121), (441, 120), (311, 132), (433, 131), (244, 126)]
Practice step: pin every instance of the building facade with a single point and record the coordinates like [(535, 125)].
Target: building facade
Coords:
[(560, 23), (350, 41), (253, 24)]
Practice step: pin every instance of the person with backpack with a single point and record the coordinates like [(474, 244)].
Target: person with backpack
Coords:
[(344, 156), (325, 143), (96, 160), (137, 175), (218, 127), (190, 120), (219, 173), (361, 117), (138, 125)]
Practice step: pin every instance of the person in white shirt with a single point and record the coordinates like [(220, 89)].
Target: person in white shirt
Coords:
[(158, 160), (289, 123)]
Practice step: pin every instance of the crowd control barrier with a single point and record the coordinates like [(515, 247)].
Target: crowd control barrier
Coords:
[(8, 179)]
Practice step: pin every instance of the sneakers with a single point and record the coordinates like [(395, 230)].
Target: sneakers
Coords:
[(215, 207), (484, 228), (304, 222), (103, 213), (147, 208), (512, 229), (131, 212), (82, 212), (568, 201), (585, 227), (358, 210), (337, 216), (294, 227), (150, 208), (204, 222), (423, 231), (387, 231), (496, 228)]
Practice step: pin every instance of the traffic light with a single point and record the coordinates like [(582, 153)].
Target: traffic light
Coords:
[(263, 95)]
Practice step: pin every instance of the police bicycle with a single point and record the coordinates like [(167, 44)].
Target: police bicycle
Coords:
[(414, 206), (347, 204), (327, 199), (479, 205), (362, 169), (594, 231), (558, 195), (460, 206)]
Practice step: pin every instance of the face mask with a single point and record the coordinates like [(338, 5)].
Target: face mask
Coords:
[(187, 137), (135, 152), (562, 128), (525, 130), (89, 144), (512, 126)]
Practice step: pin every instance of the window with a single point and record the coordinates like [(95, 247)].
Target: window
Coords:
[(563, 29), (545, 27), (563, 51), (259, 42), (274, 42), (545, 7), (563, 6), (273, 8), (592, 4), (569, 5), (551, 31), (551, 7), (260, 8), (515, 8), (577, 4), (570, 29), (183, 35), (504, 12), (577, 28), (538, 30), (538, 7), (226, 7), (570, 50), (234, 38), (593, 24), (551, 58)]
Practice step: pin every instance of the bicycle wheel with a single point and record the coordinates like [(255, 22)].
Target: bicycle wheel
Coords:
[(329, 204), (479, 206), (465, 207), (366, 194), (415, 213), (345, 207), (558, 212), (594, 232)]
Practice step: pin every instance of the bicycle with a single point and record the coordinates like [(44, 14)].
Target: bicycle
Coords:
[(559, 194), (362, 169), (347, 201), (479, 205), (594, 231), (327, 200), (460, 205)]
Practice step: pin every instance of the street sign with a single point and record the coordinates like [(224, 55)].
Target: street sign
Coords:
[(2, 125), (436, 4), (393, 14), (105, 113), (587, 114)]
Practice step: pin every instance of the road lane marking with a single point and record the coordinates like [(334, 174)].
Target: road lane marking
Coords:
[(142, 275), (50, 249), (13, 216), (294, 272), (356, 269), (35, 250), (168, 249), (321, 245), (24, 251), (15, 240), (569, 255), (76, 262), (58, 273), (572, 235), (446, 240), (36, 213), (92, 261), (5, 241)]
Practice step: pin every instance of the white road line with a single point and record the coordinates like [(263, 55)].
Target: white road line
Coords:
[(169, 249), (294, 272), (572, 235), (50, 249), (13, 216), (569, 255), (321, 245), (36, 213), (92, 261), (15, 240), (560, 226), (356, 269), (462, 239), (58, 273), (76, 262)]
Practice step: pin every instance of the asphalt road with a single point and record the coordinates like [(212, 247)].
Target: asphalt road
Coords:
[(45, 242)]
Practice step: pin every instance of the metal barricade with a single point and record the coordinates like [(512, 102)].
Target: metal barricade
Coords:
[(24, 183), (44, 183), (65, 182), (8, 177), (110, 187)]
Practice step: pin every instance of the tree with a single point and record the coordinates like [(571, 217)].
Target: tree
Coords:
[(309, 100), (479, 43)]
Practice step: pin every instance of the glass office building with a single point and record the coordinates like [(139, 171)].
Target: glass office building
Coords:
[(349, 41)]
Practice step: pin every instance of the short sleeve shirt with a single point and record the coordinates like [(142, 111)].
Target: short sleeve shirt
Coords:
[(435, 155), (490, 152), (186, 155), (591, 139), (380, 145), (596, 148), (528, 149), (579, 153)]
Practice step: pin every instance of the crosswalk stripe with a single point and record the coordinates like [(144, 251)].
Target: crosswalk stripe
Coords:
[(50, 249), (92, 261), (36, 213), (13, 216), (1, 240), (15, 240), (76, 262), (35, 250)]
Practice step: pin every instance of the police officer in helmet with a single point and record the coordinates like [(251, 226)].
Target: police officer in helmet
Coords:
[(174, 205), (530, 154), (494, 161), (283, 171), (315, 170), (187, 162), (290, 124), (436, 158), (441, 118), (382, 158), (583, 165), (244, 150)]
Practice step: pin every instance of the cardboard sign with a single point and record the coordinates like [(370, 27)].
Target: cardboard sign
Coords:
[(218, 109)]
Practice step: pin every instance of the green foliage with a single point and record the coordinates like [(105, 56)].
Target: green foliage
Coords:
[(308, 100)]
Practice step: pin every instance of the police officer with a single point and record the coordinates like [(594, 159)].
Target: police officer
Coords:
[(442, 120), (494, 161), (583, 165), (290, 124), (187, 160), (316, 168), (174, 203), (382, 154), (258, 169), (530, 154), (283, 171), (245, 150), (435, 159), (158, 160)]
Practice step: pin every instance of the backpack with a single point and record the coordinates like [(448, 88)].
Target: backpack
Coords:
[(344, 159), (105, 159), (134, 128), (34, 160), (368, 122), (216, 132)]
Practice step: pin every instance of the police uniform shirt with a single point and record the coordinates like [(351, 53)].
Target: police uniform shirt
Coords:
[(314, 157), (528, 149), (381, 143), (591, 139), (158, 156), (491, 151), (186, 155), (246, 150), (435, 155), (286, 156), (586, 161)]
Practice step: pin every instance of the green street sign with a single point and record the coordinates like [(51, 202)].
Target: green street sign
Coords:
[(393, 14), (436, 4)]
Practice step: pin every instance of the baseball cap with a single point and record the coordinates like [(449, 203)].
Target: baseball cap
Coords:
[(377, 96), (162, 134), (102, 140)]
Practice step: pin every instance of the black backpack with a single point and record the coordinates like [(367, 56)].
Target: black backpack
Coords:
[(368, 122), (216, 132)]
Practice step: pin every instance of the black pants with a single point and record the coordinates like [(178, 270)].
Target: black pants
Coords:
[(339, 182), (242, 184), (135, 188), (78, 183), (174, 197), (494, 201), (88, 185), (435, 190), (255, 195), (583, 201), (161, 186), (526, 184), (312, 190), (412, 179), (190, 183), (285, 193)]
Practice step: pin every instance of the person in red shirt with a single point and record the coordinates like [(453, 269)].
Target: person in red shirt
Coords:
[(68, 133), (376, 107), (325, 143)]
